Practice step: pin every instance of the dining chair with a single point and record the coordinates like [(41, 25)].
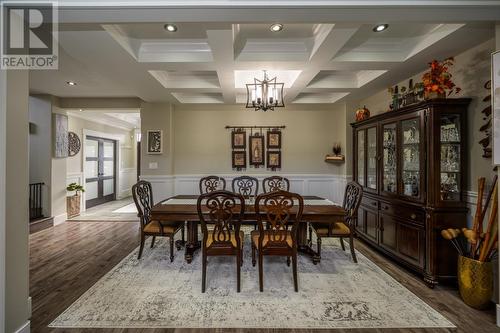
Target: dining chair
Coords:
[(282, 212), (275, 183), (223, 211), (246, 186), (352, 199), (211, 183), (143, 197)]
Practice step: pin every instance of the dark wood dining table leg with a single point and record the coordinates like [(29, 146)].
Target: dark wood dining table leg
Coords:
[(304, 245), (193, 243)]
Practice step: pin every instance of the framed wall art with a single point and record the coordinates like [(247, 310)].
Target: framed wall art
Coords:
[(274, 139), (256, 152), (155, 142), (274, 159), (60, 135), (239, 139), (239, 160)]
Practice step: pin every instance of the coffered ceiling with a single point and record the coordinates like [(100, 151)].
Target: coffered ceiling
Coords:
[(209, 62)]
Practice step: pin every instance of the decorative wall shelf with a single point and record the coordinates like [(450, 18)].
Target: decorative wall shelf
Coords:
[(335, 158)]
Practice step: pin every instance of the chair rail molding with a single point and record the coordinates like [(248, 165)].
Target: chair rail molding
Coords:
[(324, 185)]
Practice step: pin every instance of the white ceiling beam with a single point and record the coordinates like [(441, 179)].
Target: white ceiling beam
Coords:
[(221, 43), (326, 47)]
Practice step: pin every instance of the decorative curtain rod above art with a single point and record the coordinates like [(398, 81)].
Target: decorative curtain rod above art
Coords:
[(257, 127)]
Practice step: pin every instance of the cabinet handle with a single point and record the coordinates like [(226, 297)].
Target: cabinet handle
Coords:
[(374, 203), (413, 216), (386, 207)]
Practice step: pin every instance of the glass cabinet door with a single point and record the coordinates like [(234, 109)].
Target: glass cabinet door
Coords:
[(389, 169), (371, 167), (410, 130), (450, 157), (361, 157)]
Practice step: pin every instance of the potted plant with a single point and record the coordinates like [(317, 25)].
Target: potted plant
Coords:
[(438, 80), (73, 201), (477, 248)]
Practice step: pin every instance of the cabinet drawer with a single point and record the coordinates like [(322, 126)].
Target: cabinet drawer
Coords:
[(403, 212), (370, 203)]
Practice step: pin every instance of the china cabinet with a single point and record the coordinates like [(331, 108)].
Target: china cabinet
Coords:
[(412, 166)]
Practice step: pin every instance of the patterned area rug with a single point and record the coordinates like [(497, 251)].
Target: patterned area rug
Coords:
[(154, 293)]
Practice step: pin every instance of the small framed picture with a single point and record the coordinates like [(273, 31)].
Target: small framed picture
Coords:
[(256, 151), (155, 142), (274, 159), (239, 159), (239, 139), (274, 140)]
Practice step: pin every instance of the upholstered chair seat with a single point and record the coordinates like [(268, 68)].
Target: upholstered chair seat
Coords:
[(210, 239), (267, 236), (336, 229), (156, 228)]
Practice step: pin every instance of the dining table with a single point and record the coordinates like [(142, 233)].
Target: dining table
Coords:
[(184, 208)]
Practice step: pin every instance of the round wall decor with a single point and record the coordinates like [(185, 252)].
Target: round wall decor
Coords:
[(74, 144)]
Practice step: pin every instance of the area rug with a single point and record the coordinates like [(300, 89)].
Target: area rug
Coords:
[(337, 293)]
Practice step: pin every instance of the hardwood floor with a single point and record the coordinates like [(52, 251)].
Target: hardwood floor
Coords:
[(68, 259)]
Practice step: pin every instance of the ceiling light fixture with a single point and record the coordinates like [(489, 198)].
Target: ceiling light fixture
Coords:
[(277, 27), (265, 94), (71, 83), (380, 27), (170, 27)]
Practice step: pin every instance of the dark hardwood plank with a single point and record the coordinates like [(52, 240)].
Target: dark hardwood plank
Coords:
[(68, 259)]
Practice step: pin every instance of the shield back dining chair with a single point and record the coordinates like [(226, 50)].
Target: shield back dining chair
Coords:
[(345, 229), (143, 198), (220, 214), (278, 215), (275, 183), (212, 183)]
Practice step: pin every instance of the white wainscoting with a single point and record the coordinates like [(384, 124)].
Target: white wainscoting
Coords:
[(323, 185), (127, 178)]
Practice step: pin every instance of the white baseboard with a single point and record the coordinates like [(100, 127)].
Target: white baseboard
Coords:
[(324, 185), (25, 328), (60, 218)]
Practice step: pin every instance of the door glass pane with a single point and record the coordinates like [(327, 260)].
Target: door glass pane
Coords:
[(372, 158), (411, 157), (390, 163), (91, 148), (108, 187), (91, 169), (450, 157), (109, 149), (91, 190), (361, 157), (109, 169)]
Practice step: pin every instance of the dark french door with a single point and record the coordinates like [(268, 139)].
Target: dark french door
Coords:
[(100, 170)]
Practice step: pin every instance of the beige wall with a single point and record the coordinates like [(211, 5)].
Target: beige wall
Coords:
[(471, 71), (157, 117), (202, 144), (16, 215)]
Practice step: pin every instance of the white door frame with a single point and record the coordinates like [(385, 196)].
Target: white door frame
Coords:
[(119, 138)]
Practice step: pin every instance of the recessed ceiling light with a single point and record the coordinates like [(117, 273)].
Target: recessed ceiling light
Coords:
[(277, 27), (71, 83), (80, 110), (170, 27), (380, 27)]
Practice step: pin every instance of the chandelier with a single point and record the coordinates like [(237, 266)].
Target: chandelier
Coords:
[(265, 94)]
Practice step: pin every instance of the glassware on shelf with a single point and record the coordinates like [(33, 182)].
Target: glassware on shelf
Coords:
[(361, 157), (389, 158), (372, 158), (450, 157)]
